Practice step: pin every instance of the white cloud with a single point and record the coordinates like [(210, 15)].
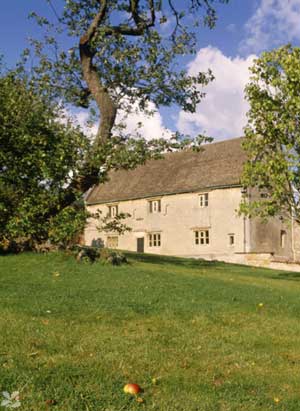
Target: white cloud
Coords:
[(222, 113), (152, 125), (81, 118), (275, 22)]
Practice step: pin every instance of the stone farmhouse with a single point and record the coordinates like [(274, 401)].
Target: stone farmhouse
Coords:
[(185, 204)]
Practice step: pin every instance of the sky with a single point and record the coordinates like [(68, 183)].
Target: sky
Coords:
[(245, 28)]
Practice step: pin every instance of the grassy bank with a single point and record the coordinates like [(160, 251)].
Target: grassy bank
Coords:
[(195, 335)]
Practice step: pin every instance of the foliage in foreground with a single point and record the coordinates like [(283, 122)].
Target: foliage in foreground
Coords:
[(273, 134), (196, 336), (40, 152)]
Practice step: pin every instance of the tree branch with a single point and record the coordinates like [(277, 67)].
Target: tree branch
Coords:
[(91, 31), (176, 15), (134, 7)]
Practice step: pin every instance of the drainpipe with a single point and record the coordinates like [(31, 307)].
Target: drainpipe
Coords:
[(245, 240), (293, 238), (244, 191), (166, 209)]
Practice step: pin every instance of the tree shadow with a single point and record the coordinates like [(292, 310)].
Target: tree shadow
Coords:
[(162, 259), (288, 276)]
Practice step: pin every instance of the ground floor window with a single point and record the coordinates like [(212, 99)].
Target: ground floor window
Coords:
[(202, 237), (112, 242), (282, 238), (154, 240)]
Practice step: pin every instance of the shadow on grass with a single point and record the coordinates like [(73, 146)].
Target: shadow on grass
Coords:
[(162, 259), (288, 276)]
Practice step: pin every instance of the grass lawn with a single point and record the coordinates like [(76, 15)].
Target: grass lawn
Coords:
[(192, 334)]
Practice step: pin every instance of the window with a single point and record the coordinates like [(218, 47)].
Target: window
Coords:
[(155, 206), (154, 240), (264, 195), (112, 242), (202, 237), (203, 200), (113, 211), (231, 239), (282, 238)]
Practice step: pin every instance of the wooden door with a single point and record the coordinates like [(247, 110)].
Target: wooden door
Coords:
[(140, 245)]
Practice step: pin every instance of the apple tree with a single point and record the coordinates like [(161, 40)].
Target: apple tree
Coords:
[(40, 153)]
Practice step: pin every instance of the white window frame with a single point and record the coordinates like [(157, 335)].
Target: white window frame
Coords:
[(113, 210), (154, 240), (154, 206), (202, 236), (203, 200)]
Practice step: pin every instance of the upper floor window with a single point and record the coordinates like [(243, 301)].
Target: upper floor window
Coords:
[(113, 211), (231, 239), (203, 200), (154, 240), (202, 237), (155, 206)]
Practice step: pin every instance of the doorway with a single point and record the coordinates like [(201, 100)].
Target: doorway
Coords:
[(140, 245)]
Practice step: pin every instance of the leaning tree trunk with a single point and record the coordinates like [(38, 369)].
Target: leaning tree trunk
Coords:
[(107, 110), (106, 106)]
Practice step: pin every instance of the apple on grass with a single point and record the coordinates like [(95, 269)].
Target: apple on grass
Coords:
[(132, 389)]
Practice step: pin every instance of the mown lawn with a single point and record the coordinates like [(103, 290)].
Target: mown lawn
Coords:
[(193, 334)]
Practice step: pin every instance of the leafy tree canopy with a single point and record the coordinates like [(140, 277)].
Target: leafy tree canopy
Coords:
[(273, 134), (40, 153), (122, 54)]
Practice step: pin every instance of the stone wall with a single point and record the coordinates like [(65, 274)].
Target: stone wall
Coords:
[(180, 216)]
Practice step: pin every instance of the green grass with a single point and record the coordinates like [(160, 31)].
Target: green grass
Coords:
[(196, 327)]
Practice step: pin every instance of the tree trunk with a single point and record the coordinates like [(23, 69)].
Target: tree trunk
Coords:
[(106, 105)]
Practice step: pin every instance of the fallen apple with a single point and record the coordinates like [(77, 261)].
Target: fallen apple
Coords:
[(132, 389)]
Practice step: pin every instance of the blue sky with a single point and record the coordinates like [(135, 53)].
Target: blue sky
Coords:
[(15, 26), (245, 28)]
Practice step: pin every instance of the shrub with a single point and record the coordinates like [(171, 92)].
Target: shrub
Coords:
[(104, 255)]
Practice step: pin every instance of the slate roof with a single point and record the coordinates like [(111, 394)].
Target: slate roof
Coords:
[(219, 165)]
